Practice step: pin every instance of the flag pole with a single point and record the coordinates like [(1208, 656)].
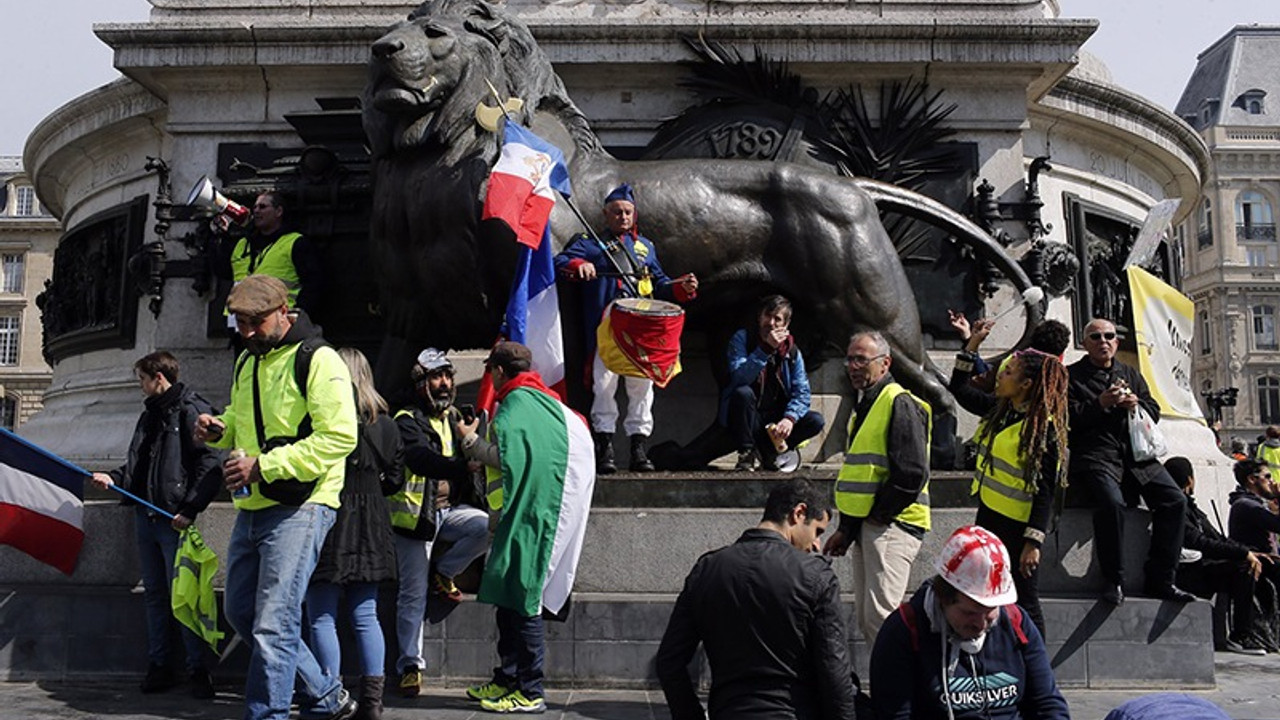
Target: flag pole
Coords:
[(139, 500), (626, 277)]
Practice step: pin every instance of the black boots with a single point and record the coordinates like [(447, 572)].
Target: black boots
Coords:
[(370, 698), (605, 464), (639, 456)]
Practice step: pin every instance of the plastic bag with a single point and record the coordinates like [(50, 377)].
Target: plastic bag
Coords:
[(1145, 437)]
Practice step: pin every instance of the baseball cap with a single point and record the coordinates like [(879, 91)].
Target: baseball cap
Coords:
[(433, 359), (507, 351)]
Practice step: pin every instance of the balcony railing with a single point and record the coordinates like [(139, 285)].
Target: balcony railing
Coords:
[(1256, 232)]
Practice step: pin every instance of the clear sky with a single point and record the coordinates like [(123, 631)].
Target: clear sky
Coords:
[(1149, 45)]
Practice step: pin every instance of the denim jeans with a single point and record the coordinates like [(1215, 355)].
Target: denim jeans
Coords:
[(322, 611), (522, 646), (468, 529), (157, 545), (270, 559)]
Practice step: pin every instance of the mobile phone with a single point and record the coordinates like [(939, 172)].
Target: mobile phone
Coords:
[(468, 412)]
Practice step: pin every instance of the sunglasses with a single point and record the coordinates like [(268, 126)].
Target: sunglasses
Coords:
[(1102, 336)]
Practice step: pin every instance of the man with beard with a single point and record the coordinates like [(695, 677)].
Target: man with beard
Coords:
[(436, 501), (882, 490), (1254, 519), (269, 250), (1102, 393), (293, 430)]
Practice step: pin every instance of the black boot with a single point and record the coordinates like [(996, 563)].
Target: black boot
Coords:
[(370, 698), (604, 454), (639, 458)]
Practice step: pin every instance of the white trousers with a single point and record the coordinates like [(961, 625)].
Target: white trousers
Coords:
[(604, 403)]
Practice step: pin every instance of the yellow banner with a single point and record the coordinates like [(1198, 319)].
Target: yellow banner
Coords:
[(1164, 320)]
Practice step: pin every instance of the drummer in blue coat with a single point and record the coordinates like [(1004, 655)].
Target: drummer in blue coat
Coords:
[(633, 270)]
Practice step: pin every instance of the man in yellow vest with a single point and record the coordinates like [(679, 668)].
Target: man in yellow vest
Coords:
[(272, 249), (438, 500), (882, 490), (1269, 449)]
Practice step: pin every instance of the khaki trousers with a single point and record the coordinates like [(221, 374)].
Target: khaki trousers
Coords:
[(881, 569)]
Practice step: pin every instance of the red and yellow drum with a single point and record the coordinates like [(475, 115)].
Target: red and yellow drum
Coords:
[(640, 337)]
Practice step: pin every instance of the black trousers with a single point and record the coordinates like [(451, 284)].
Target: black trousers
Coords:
[(1229, 580), (746, 423), (1168, 507), (1010, 532)]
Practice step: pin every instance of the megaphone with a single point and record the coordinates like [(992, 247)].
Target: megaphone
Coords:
[(205, 195)]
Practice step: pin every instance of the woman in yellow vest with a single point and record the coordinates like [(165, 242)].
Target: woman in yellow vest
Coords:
[(1019, 442)]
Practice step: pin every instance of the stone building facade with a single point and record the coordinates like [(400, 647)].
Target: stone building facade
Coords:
[(28, 235), (1230, 244), (209, 83)]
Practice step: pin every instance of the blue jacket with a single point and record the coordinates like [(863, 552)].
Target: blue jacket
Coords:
[(906, 675), (597, 294), (746, 364)]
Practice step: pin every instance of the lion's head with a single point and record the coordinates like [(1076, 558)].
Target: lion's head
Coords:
[(427, 74)]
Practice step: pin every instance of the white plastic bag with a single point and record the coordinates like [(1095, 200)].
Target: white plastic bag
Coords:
[(1144, 436)]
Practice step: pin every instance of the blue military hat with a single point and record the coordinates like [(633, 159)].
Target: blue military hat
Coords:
[(622, 192)]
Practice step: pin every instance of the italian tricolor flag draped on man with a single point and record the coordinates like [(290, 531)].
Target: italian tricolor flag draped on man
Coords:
[(548, 475)]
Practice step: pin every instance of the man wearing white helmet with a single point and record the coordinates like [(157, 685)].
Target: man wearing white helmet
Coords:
[(961, 648)]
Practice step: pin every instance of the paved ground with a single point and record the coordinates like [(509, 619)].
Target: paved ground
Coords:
[(1248, 689)]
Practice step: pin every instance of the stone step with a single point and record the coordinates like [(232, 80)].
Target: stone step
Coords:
[(608, 640)]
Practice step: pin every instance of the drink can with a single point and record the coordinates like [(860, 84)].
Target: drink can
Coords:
[(240, 492), (779, 444)]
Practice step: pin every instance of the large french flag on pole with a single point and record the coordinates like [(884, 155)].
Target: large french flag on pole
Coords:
[(41, 503), (524, 202)]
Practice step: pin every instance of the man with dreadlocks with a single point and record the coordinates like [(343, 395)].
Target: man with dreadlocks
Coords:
[(1020, 438)]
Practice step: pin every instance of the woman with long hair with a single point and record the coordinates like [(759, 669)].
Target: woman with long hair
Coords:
[(358, 553), (1020, 441)]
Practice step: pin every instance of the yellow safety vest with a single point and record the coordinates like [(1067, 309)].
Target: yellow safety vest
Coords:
[(406, 505), (1000, 480), (492, 480), (1270, 456), (866, 464), (275, 260)]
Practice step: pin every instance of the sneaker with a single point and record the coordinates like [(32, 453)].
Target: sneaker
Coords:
[(488, 691), (346, 709), (1247, 647), (411, 682), (444, 587), (747, 461), (515, 702), (202, 685), (159, 678)]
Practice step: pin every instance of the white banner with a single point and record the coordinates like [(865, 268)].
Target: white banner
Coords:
[(1163, 321)]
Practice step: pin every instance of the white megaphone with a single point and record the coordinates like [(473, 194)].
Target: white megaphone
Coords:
[(205, 195)]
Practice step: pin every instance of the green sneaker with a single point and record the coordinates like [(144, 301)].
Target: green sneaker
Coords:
[(488, 691), (515, 702)]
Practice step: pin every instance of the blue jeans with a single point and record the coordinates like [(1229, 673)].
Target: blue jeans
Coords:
[(522, 646), (322, 610), (157, 545), (270, 559)]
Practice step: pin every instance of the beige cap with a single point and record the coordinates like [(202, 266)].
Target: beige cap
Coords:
[(257, 295)]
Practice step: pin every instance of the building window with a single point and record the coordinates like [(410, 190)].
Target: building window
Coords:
[(8, 412), (24, 201), (1204, 234), (13, 266), (1264, 327), (10, 339), (1206, 339), (1269, 400), (1252, 101), (1255, 229)]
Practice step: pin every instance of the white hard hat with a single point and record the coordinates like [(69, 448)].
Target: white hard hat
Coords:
[(975, 562)]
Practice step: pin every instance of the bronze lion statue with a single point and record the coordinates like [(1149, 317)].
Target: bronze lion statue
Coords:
[(743, 226)]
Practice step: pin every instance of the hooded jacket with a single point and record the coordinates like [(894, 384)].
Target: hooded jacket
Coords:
[(1251, 522)]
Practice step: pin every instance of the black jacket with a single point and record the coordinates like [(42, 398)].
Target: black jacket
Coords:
[(770, 620), (165, 465), (1099, 439), (359, 547), (1251, 521), (1200, 534), (423, 455)]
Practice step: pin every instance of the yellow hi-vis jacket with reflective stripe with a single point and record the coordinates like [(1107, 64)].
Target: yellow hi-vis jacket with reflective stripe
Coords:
[(275, 260), (1270, 456), (492, 480), (866, 464), (1000, 479), (406, 505)]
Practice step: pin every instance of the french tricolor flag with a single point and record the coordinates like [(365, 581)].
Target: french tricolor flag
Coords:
[(522, 191), (41, 503)]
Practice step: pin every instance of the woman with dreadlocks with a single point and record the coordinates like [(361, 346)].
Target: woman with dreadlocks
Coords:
[(1019, 441)]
